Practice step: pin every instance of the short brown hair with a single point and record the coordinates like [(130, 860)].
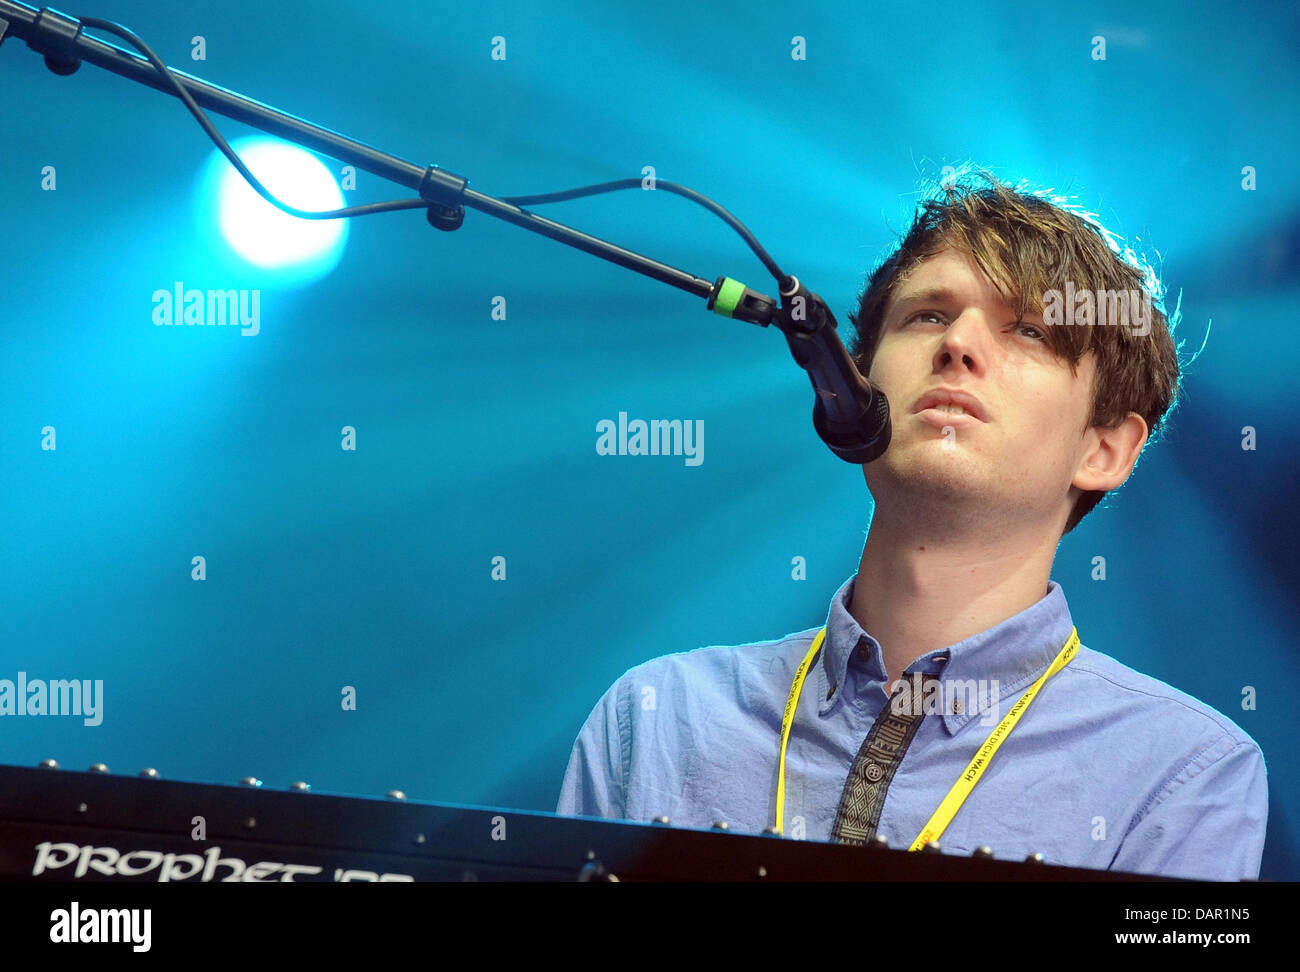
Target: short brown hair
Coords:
[(1028, 243)]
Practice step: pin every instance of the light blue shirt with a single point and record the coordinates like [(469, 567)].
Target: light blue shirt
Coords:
[(1108, 768)]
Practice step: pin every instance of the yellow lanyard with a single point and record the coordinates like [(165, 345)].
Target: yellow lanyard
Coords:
[(941, 817)]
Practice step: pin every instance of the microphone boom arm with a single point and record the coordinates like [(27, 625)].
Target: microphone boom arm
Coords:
[(849, 415)]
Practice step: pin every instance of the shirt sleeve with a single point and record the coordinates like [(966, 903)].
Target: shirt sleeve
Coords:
[(595, 782), (1208, 822)]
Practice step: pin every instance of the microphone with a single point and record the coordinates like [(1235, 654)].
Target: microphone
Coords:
[(850, 415)]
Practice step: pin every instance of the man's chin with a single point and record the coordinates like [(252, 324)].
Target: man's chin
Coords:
[(951, 474)]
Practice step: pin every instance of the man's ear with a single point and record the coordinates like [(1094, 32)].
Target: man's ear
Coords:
[(1110, 454)]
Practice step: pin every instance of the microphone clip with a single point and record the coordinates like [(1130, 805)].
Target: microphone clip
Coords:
[(850, 416)]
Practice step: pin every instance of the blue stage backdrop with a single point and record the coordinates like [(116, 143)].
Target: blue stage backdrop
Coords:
[(366, 539)]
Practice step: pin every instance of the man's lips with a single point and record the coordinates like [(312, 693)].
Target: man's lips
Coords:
[(943, 419), (930, 404)]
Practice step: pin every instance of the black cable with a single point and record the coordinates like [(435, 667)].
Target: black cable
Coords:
[(228, 152), (396, 204), (673, 187)]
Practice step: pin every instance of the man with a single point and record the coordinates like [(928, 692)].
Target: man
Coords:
[(1022, 391)]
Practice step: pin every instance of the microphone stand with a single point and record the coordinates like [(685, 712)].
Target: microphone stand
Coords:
[(845, 401)]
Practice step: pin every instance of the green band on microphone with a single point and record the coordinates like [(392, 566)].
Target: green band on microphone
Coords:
[(729, 295)]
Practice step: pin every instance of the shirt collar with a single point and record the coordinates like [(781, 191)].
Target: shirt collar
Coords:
[(1013, 652)]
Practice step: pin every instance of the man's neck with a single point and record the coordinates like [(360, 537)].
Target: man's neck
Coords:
[(915, 594)]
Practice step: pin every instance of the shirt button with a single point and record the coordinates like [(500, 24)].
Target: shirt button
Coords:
[(957, 706), (873, 772)]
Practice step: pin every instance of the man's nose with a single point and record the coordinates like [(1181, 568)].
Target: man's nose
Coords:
[(964, 341)]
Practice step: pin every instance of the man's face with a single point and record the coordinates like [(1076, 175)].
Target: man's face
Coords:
[(948, 328)]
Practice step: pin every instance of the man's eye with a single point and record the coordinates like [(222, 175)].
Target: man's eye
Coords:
[(1029, 330)]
